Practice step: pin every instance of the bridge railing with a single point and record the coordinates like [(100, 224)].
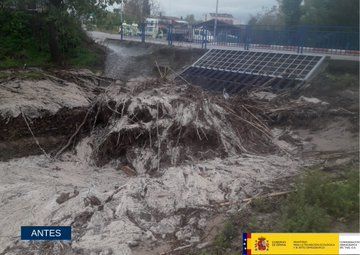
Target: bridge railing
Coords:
[(335, 40), (324, 39)]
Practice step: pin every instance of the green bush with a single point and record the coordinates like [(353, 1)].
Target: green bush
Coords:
[(25, 40), (319, 200), (305, 218)]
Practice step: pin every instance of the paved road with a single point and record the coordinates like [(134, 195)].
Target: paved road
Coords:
[(101, 37)]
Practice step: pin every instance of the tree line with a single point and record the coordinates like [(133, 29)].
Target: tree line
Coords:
[(310, 12), (31, 28)]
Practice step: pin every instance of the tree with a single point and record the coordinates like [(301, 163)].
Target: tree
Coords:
[(191, 19), (62, 19), (331, 12), (108, 21), (253, 20), (290, 11), (139, 10), (268, 17), (155, 8)]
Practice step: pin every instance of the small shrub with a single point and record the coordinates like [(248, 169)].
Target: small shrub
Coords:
[(305, 218), (319, 200), (229, 233)]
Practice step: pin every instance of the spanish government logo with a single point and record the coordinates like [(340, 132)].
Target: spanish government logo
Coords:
[(262, 244)]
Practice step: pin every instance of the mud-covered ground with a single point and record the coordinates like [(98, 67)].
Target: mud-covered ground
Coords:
[(149, 167)]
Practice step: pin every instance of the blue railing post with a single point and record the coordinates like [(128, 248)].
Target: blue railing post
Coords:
[(204, 37), (247, 37), (301, 39), (170, 35), (239, 38), (143, 32)]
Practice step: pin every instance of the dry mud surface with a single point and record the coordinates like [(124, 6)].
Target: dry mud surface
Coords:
[(148, 164), (128, 211)]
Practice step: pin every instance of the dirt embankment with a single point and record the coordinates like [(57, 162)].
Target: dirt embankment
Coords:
[(128, 60), (43, 107)]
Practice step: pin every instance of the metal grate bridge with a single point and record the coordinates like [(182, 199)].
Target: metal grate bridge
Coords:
[(234, 70)]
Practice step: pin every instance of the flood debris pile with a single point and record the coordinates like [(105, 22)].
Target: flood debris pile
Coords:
[(153, 124), (295, 111), (290, 108)]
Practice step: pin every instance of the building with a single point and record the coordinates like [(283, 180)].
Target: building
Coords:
[(224, 17)]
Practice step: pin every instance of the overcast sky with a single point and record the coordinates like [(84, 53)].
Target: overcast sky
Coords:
[(241, 9)]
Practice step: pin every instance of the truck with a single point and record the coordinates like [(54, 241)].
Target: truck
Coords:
[(159, 28)]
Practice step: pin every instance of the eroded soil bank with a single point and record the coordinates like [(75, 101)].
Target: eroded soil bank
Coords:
[(151, 166)]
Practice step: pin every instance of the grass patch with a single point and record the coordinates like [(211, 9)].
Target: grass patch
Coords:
[(90, 56), (321, 200), (342, 81)]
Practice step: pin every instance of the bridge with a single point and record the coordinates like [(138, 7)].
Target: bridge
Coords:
[(249, 57)]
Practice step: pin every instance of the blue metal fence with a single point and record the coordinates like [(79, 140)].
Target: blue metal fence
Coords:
[(317, 39)]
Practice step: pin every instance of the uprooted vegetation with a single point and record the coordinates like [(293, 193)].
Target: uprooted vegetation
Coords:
[(153, 124)]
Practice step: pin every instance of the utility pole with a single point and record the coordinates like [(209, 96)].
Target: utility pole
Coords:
[(216, 19), (122, 19)]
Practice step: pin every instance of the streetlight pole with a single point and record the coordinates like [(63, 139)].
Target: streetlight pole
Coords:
[(122, 19), (216, 19)]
